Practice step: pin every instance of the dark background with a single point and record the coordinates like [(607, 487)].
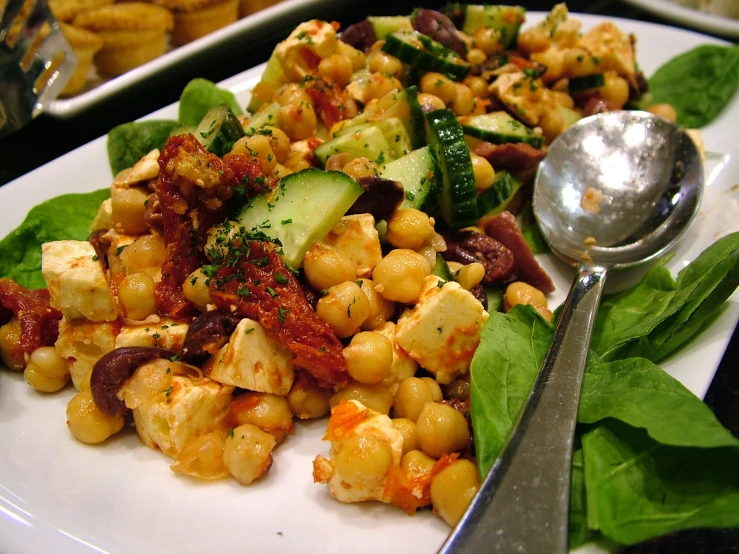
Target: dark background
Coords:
[(46, 138)]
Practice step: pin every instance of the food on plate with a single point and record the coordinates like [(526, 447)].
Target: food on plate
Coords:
[(724, 8), (85, 45), (248, 7), (196, 18), (348, 247), (133, 33), (67, 10)]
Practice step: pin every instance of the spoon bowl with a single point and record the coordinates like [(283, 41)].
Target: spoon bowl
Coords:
[(616, 190)]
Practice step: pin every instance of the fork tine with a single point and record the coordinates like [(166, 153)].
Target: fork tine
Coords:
[(14, 20)]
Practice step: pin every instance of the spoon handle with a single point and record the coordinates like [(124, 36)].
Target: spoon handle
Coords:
[(523, 503)]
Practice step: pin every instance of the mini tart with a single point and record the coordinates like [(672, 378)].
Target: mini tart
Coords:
[(196, 18), (85, 45), (67, 10), (133, 33), (248, 7)]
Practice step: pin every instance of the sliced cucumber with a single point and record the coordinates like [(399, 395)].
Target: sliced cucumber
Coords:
[(441, 269), (394, 131), (586, 82), (268, 114), (496, 199), (384, 25), (458, 199), (272, 79), (367, 141), (500, 128), (219, 129), (182, 129), (569, 116), (417, 122), (506, 20), (425, 53), (303, 208), (418, 172), (495, 299)]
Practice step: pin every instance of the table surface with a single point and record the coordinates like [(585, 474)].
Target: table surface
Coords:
[(46, 138)]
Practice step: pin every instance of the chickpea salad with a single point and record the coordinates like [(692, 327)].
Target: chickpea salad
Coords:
[(356, 248)]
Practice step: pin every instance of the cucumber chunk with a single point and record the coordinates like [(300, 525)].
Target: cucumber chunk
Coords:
[(425, 53), (366, 141), (266, 115), (500, 128), (303, 208), (507, 20), (586, 82), (219, 130), (386, 24), (458, 198), (418, 172), (496, 199), (441, 269), (272, 79), (495, 299), (394, 132)]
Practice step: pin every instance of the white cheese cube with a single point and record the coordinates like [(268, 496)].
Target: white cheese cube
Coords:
[(357, 237), (182, 413), (252, 360), (103, 219), (316, 37), (168, 333), (83, 343), (612, 47), (350, 482), (76, 281), (443, 330)]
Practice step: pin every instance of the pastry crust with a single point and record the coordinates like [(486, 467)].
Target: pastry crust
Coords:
[(67, 10), (196, 18), (85, 45)]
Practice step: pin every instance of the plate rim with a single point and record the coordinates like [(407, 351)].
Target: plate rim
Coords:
[(690, 17)]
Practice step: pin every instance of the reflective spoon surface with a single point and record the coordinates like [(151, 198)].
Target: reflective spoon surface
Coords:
[(615, 190)]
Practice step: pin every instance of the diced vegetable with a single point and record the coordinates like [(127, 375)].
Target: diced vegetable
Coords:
[(419, 174), (500, 128), (425, 53), (219, 130)]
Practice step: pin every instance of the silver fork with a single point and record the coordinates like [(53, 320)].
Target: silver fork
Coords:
[(36, 61)]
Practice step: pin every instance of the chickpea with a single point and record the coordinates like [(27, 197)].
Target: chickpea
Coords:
[(459, 388), (413, 394), (380, 84), (380, 308), (409, 228), (298, 120), (484, 173), (326, 266), (415, 461), (195, 288), (523, 293), (269, 412), (408, 430), (87, 423), (10, 338), (344, 307), (439, 85), (463, 101), (375, 397), (476, 56), (470, 275), (337, 68), (291, 93), (296, 162), (357, 57), (363, 460), (136, 295), (400, 274), (430, 102), (478, 86), (360, 167), (382, 62), (46, 370), (128, 207), (440, 429), (579, 62), (247, 453), (489, 41), (452, 490), (663, 110), (615, 89), (146, 252), (258, 146), (278, 141), (369, 357), (203, 457), (307, 400)]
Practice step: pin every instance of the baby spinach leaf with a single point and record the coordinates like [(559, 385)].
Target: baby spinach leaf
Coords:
[(579, 531), (128, 142), (65, 217), (698, 84), (531, 231), (200, 95), (638, 489)]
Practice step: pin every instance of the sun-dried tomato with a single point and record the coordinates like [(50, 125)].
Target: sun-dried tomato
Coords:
[(259, 286), (39, 321), (329, 100), (192, 190)]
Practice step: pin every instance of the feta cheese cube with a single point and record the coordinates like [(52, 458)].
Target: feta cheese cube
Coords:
[(357, 237), (443, 330), (168, 333), (185, 411), (82, 343), (76, 281), (252, 360)]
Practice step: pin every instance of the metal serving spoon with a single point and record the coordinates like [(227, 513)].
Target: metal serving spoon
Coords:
[(616, 190)]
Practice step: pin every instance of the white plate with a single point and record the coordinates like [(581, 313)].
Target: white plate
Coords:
[(690, 17), (57, 495), (278, 16)]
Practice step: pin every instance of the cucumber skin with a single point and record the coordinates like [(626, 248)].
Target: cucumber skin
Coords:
[(502, 136), (219, 139), (458, 198), (424, 60), (424, 195), (494, 200)]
